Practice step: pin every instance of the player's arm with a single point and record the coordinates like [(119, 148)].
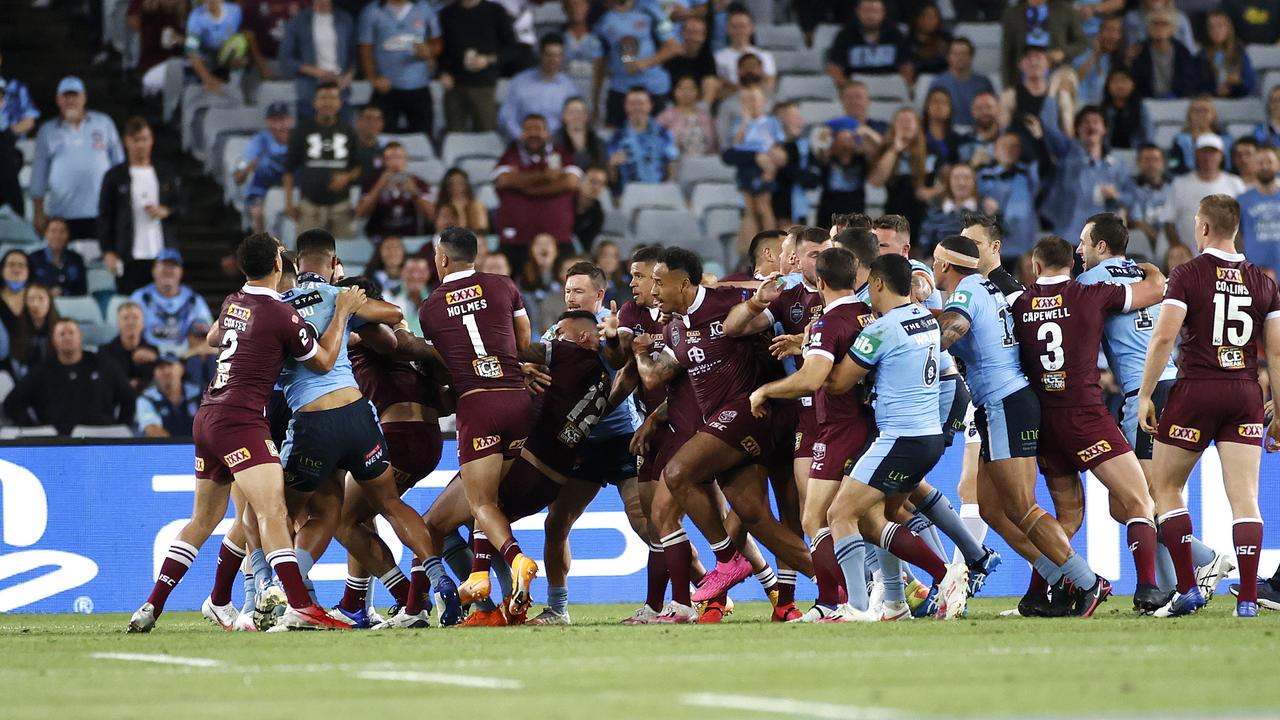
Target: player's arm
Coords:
[(538, 353), (625, 382), (1158, 350), (330, 344), (214, 337), (378, 337), (845, 375), (805, 381), (1271, 339), (954, 325), (644, 434), (1150, 290), (380, 311), (655, 372), (617, 349), (524, 331), (750, 318)]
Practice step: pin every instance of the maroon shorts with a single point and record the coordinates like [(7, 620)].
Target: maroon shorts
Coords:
[(413, 449), (647, 468), (671, 444), (734, 425), (525, 490), (838, 447), (807, 430), (1073, 440), (1219, 410), (492, 422), (228, 443)]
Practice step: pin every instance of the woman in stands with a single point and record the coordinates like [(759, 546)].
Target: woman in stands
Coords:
[(945, 215), (941, 140), (576, 136), (1202, 118), (537, 278), (16, 271), (689, 120), (1123, 110), (607, 257), (1228, 72), (928, 41), (457, 195), (902, 168), (35, 325), (1268, 133), (387, 264)]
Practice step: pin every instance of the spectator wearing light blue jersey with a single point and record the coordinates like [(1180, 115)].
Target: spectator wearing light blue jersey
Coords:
[(1089, 179), (1268, 131), (209, 27), (173, 313), (1093, 65), (756, 154), (541, 90), (318, 46), (581, 45), (961, 83), (17, 112), (73, 152), (1260, 213), (1013, 186), (1151, 212), (261, 164), (167, 407), (398, 39), (635, 40), (641, 150)]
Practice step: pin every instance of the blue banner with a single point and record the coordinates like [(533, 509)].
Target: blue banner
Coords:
[(84, 529)]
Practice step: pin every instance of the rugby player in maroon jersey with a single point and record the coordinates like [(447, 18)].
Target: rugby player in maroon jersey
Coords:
[(1223, 306), (1059, 323), (257, 333)]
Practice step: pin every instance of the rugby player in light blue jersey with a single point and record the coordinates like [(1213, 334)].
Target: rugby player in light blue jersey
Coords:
[(1103, 242), (978, 325), (903, 349)]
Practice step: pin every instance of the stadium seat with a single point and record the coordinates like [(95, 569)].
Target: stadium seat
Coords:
[(276, 91), (466, 145), (415, 244), (674, 228), (876, 196), (82, 309), (113, 308), (823, 36), (704, 168), (361, 91), (100, 279), (488, 195), (798, 62), (6, 385), (1127, 157), (101, 431), (888, 88), (779, 37), (984, 36), (430, 170), (1162, 112), (479, 169), (638, 196), (820, 111), (1164, 135), (1264, 57), (1248, 109), (355, 254), (805, 87), (1270, 80), (712, 195), (548, 14), (616, 222), (27, 146), (721, 222), (1237, 130), (226, 120), (98, 335), (920, 91), (416, 144), (225, 168), (38, 431)]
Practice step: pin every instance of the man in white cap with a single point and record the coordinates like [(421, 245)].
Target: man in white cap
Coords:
[(73, 152), (1208, 179)]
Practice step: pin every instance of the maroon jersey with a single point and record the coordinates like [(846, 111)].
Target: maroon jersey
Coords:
[(795, 308), (1227, 301), (570, 406), (720, 368), (831, 337), (1058, 323), (522, 216), (385, 381), (635, 320), (470, 321), (258, 333)]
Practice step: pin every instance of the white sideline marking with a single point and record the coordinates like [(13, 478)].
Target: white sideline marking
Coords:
[(159, 659), (785, 706), (470, 681)]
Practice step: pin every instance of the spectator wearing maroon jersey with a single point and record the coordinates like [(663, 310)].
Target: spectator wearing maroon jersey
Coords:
[(161, 27), (399, 203), (264, 21), (536, 183)]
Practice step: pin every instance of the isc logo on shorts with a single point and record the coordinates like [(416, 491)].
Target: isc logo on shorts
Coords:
[(463, 295), (516, 444), (1250, 430), (199, 464), (236, 457), (1046, 303), (751, 446), (1099, 448), (271, 448), (484, 443), (1231, 358), (1177, 432), (487, 367)]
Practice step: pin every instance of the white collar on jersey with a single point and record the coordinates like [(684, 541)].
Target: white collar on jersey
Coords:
[(654, 312), (459, 275), (1053, 280), (1222, 255), (258, 290), (846, 300), (697, 302)]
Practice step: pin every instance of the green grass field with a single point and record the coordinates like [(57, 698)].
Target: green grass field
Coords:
[(74, 666)]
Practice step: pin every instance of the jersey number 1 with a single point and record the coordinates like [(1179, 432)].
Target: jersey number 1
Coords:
[(473, 330)]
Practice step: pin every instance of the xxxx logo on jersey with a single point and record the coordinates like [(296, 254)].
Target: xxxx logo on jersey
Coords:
[(1230, 274), (473, 292), (1046, 303)]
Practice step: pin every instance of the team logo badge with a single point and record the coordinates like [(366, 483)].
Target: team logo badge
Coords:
[(727, 416), (454, 297), (797, 313), (819, 451), (484, 443), (1177, 432), (1095, 450), (236, 457), (1250, 430), (271, 448), (717, 329), (751, 446)]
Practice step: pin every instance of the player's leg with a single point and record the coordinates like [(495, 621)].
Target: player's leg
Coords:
[(324, 512), (217, 608), (1172, 466), (745, 489), (1131, 505), (569, 505), (656, 573), (786, 476), (480, 481), (1240, 463), (665, 513), (967, 488)]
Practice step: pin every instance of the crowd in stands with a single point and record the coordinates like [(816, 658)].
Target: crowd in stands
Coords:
[(574, 130)]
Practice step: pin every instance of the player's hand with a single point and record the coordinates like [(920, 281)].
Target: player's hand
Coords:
[(609, 326), (643, 436), (642, 344), (350, 300), (381, 84), (769, 289), (784, 346), (536, 377), (759, 403), (1147, 414)]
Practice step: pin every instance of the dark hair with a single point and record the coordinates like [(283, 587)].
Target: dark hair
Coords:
[(836, 268), (1246, 140), (135, 125), (864, 244), (1054, 252), (444, 197), (1109, 228), (809, 234), (1028, 49), (459, 244), (393, 145), (1091, 110), (853, 220), (371, 288), (648, 254), (256, 255), (896, 223), (328, 85), (316, 243), (962, 40), (640, 89), (964, 246), (924, 111), (989, 224), (15, 251), (369, 106), (578, 315), (895, 271), (759, 239), (1152, 146), (551, 38), (591, 270), (30, 343), (685, 261), (748, 56), (289, 264), (533, 116), (737, 8)]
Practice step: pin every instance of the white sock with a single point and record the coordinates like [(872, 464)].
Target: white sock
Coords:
[(974, 523)]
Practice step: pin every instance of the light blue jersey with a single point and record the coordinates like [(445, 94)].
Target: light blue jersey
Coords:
[(1126, 335), (934, 302), (989, 350), (315, 301), (902, 347), (624, 419)]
